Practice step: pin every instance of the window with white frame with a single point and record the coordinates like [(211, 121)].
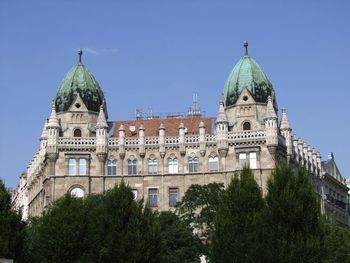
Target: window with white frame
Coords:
[(193, 165), (153, 197), (173, 196), (77, 166), (82, 167), (111, 167), (173, 166), (71, 166), (213, 164), (252, 160), (248, 159), (152, 166), (242, 160), (132, 165)]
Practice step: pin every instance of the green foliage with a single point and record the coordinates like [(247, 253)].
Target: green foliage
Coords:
[(11, 227), (108, 227), (237, 237), (57, 235), (179, 245), (337, 243), (199, 206), (292, 225)]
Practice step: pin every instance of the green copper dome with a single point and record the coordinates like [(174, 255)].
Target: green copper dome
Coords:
[(248, 74), (79, 81)]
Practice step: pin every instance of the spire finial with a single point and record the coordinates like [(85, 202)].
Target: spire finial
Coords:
[(80, 53), (245, 44)]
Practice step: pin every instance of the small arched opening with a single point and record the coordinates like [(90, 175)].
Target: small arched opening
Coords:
[(77, 133), (246, 126)]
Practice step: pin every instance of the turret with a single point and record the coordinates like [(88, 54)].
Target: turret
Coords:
[(182, 138), (286, 132), (222, 129), (121, 142), (271, 128), (142, 150), (53, 133), (162, 140), (44, 135), (101, 139), (202, 138)]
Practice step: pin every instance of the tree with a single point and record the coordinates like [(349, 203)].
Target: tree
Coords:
[(337, 244), (57, 235), (120, 229), (107, 227), (199, 206), (236, 237), (293, 228), (11, 227), (179, 244)]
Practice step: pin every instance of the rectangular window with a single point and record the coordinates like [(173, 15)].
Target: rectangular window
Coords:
[(252, 160), (213, 165), (173, 196), (131, 167), (193, 165), (152, 166), (173, 166), (111, 167), (153, 197), (71, 166), (242, 160), (82, 167)]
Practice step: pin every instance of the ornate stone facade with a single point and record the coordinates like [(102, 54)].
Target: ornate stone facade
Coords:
[(81, 153)]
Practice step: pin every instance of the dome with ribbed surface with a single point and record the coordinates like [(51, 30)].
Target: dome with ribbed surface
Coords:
[(248, 74), (79, 81)]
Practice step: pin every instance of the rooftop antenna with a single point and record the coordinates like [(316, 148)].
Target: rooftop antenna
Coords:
[(138, 114), (194, 110), (150, 113)]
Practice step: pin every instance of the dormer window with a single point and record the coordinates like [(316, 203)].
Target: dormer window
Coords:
[(77, 133), (246, 126)]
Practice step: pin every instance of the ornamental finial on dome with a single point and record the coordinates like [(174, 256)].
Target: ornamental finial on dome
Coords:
[(245, 44), (80, 53)]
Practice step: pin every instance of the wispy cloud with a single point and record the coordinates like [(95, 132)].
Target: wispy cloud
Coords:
[(99, 51)]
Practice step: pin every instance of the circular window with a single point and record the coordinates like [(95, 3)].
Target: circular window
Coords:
[(77, 105), (245, 98), (77, 192)]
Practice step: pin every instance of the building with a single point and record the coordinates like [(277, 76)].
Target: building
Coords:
[(335, 190), (81, 152)]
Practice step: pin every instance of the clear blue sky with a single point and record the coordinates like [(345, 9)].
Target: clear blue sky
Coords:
[(157, 53)]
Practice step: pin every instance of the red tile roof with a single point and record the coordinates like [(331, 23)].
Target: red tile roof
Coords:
[(171, 125)]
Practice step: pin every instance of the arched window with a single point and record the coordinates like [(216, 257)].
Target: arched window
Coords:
[(213, 164), (77, 192), (193, 164), (246, 126), (173, 166), (132, 165), (77, 133), (111, 167), (152, 166)]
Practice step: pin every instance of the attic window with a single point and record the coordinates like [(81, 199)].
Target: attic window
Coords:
[(77, 105), (245, 98), (246, 126), (77, 133)]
